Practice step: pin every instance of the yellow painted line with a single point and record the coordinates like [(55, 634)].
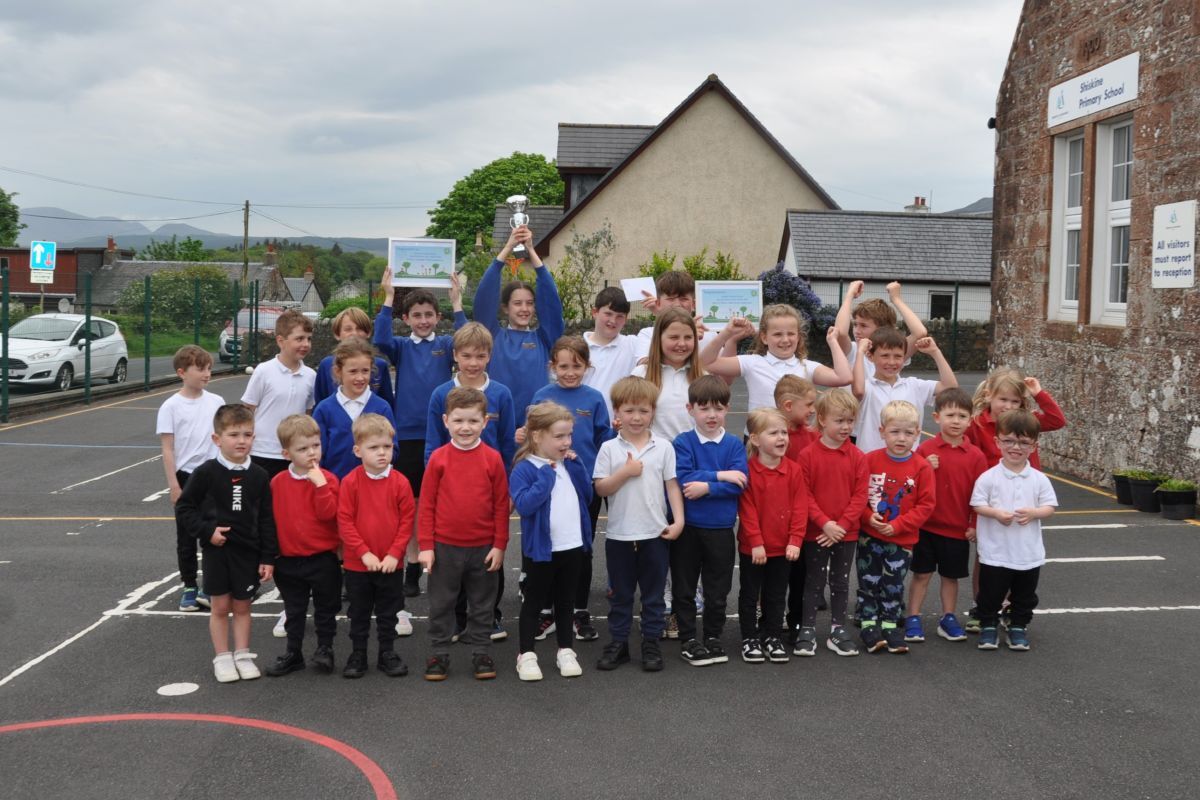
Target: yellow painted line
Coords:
[(1192, 522), (86, 519), (1083, 486), (1099, 511), (136, 408)]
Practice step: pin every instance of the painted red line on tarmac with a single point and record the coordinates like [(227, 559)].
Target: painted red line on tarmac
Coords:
[(375, 776)]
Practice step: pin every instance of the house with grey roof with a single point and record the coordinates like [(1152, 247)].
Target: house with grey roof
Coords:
[(943, 261), (111, 279), (304, 291)]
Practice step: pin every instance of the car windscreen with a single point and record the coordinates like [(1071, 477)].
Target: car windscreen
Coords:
[(266, 319), (46, 329)]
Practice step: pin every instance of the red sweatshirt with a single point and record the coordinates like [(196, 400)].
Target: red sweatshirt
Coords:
[(798, 441), (902, 492), (305, 516), (464, 499), (837, 487), (374, 516), (957, 470), (982, 432), (772, 508)]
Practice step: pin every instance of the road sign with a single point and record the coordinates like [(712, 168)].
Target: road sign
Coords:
[(41, 276), (43, 255)]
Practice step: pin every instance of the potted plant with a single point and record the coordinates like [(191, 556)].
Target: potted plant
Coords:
[(1142, 484), (1121, 483), (1177, 498)]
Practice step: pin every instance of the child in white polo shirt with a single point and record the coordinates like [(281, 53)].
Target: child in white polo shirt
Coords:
[(611, 354), (279, 388)]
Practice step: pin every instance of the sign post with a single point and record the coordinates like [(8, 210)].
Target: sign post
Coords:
[(43, 256)]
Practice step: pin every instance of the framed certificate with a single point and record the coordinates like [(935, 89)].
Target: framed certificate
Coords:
[(421, 262), (720, 301)]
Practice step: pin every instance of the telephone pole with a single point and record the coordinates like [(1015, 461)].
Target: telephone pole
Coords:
[(246, 243)]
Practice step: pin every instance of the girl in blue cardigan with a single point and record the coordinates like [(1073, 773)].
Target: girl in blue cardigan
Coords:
[(551, 492), (353, 360)]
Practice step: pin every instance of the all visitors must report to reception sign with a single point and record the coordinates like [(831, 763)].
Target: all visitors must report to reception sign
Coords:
[(1173, 257), (1112, 84)]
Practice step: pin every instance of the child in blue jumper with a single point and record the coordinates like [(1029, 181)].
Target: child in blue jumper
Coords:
[(353, 361)]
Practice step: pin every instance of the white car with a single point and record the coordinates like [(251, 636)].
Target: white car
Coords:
[(48, 350)]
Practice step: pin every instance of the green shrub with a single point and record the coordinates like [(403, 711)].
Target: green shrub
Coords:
[(1176, 485)]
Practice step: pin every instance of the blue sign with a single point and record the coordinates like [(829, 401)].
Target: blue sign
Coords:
[(43, 255)]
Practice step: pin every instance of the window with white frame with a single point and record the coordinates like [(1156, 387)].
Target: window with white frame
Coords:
[(1067, 209), (1111, 251)]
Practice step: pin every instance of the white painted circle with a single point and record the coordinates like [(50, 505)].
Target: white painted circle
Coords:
[(249, 370), (177, 689)]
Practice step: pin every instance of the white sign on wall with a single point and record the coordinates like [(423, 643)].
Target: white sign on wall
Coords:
[(1112, 84), (1173, 256)]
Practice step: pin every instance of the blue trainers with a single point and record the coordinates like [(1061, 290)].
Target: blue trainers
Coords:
[(989, 639), (913, 632), (1018, 639), (950, 630), (188, 601), (203, 600)]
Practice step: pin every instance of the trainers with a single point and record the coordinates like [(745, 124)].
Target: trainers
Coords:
[(839, 641), (752, 652), (1017, 639), (615, 654), (187, 602), (989, 639), (412, 580), (404, 624), (527, 667), (437, 667), (203, 600), (950, 630), (224, 669), (893, 637), (584, 630), (288, 662), (568, 664), (391, 664), (546, 626), (716, 651), (247, 670), (322, 658), (776, 652), (806, 642), (498, 633), (483, 666), (695, 653), (872, 639), (672, 629), (972, 624), (652, 660), (356, 665), (280, 630), (913, 631)]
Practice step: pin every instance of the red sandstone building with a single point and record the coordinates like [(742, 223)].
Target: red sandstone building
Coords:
[(1098, 125)]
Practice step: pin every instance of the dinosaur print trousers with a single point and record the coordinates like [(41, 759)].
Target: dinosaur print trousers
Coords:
[(882, 567)]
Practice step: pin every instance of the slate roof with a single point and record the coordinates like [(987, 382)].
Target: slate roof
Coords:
[(916, 247), (298, 287), (541, 219), (109, 282), (584, 146)]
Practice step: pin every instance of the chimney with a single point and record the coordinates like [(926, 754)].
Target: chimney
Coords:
[(918, 206), (270, 258), (308, 274), (478, 241), (110, 252)]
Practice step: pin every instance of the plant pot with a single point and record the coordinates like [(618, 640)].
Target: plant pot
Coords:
[(1178, 505), (1145, 498), (1124, 493)]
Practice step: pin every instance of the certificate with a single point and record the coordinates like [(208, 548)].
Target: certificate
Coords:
[(720, 301), (421, 262)]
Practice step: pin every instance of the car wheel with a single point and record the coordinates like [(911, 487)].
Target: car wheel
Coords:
[(120, 373), (66, 377), (225, 359)]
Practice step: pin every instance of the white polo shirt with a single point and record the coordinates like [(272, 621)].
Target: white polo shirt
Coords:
[(353, 407), (671, 416), (761, 373), (645, 338), (639, 508), (877, 394), (276, 392), (190, 421), (566, 532), (1013, 546), (609, 363)]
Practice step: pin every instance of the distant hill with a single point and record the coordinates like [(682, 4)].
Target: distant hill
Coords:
[(980, 208), (71, 226)]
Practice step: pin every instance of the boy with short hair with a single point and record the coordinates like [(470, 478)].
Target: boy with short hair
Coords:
[(185, 429), (886, 350), (676, 289), (375, 521), (900, 498), (710, 466), (1011, 556), (944, 542), (226, 504), (305, 502), (280, 387), (796, 397), (612, 354), (348, 323), (633, 470), (463, 531)]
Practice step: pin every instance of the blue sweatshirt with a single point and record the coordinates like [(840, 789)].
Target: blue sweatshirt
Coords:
[(337, 442), (530, 487), (381, 381), (420, 368), (701, 461), (592, 426), (520, 359), (498, 433)]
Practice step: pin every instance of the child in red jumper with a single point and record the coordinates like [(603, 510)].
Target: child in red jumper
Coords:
[(900, 497), (375, 520), (796, 397), (305, 500), (462, 531), (773, 511)]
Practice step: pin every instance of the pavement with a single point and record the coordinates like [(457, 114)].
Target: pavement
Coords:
[(1102, 707)]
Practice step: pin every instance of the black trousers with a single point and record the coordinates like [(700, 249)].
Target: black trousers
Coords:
[(318, 576), (550, 582), (770, 581), (1019, 585), (378, 593), (583, 588), (797, 580), (701, 553), (827, 564), (186, 545)]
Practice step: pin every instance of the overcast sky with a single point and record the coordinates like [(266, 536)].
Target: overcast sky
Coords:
[(305, 102)]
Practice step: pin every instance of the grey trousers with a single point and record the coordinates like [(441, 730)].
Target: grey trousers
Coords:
[(455, 567)]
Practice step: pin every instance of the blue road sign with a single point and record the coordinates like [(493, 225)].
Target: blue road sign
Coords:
[(43, 255)]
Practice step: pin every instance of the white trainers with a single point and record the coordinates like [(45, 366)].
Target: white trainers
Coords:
[(279, 632), (404, 624), (243, 662), (224, 669), (568, 664), (527, 667)]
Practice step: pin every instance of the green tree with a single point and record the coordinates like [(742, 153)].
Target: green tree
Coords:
[(173, 296), (721, 267), (190, 250), (471, 204), (10, 219), (582, 269)]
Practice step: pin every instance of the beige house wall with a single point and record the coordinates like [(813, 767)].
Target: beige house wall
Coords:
[(709, 179)]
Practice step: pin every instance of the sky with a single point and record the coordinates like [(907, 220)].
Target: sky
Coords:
[(305, 103)]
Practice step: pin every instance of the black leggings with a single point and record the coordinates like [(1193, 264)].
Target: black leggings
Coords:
[(553, 583), (834, 562)]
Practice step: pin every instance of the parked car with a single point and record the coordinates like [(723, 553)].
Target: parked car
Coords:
[(48, 350), (229, 345)]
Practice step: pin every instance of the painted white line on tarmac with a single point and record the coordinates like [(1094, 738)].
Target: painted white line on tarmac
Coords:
[(156, 495), (84, 446), (1105, 526), (1114, 609), (106, 475), (131, 598), (1091, 559)]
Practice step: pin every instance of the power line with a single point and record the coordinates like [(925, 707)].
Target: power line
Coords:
[(155, 219), (307, 233), (110, 189)]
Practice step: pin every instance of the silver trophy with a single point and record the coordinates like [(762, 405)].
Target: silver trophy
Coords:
[(517, 204)]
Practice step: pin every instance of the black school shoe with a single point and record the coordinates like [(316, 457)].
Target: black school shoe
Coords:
[(483, 666), (716, 651), (614, 655), (356, 665), (288, 662), (391, 664), (652, 660), (322, 658), (436, 668), (894, 637)]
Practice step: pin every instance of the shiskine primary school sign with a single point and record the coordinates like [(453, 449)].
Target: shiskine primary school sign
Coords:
[(1111, 84)]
